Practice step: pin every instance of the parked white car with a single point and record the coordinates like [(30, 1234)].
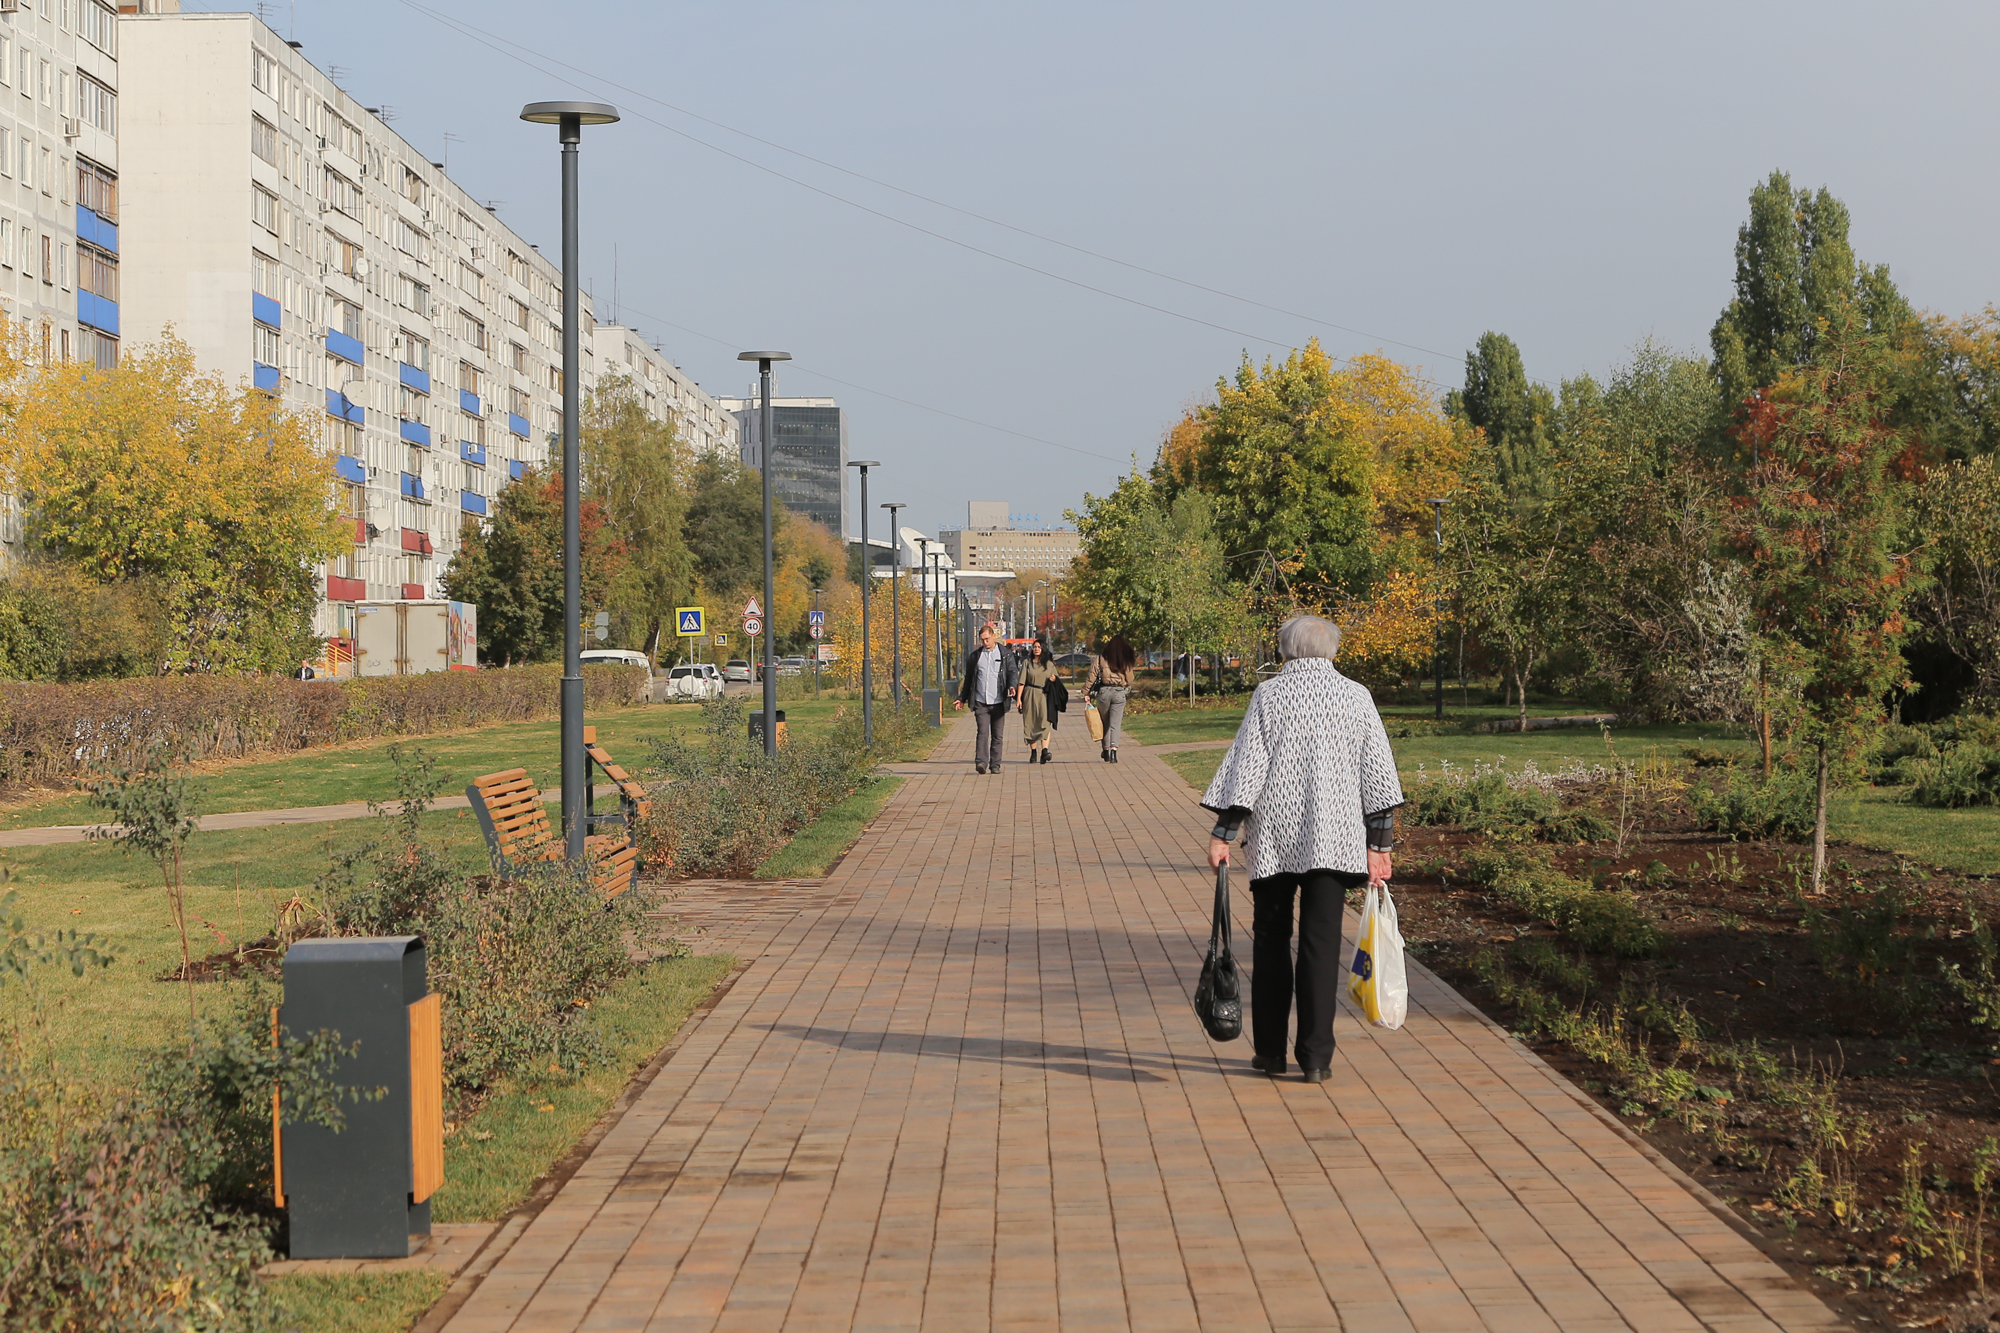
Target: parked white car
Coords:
[(694, 680)]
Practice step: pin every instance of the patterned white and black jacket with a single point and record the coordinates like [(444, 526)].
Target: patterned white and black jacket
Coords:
[(1311, 770)]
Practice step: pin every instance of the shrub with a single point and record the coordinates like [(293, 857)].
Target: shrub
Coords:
[(1594, 919), (52, 734), (1488, 803), (1867, 951), (1894, 744), (728, 806), (1960, 775), (1749, 806), (517, 961)]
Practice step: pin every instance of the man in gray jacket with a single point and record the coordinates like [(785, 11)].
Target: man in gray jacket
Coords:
[(990, 682)]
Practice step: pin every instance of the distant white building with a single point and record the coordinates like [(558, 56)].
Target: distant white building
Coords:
[(667, 393), (991, 540)]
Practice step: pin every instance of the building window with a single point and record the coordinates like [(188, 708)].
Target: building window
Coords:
[(473, 429), (97, 105), (341, 135), (100, 348), (517, 399), (97, 273), (343, 194), (264, 209), (27, 88), (264, 345), (347, 256), (412, 242), (517, 269), (264, 139), (471, 330), (48, 169), (519, 355), (471, 282), (343, 437), (468, 377), (416, 352), (45, 85), (413, 187), (48, 260), (413, 295), (65, 344), (265, 277), (98, 25), (97, 189), (347, 316), (263, 71)]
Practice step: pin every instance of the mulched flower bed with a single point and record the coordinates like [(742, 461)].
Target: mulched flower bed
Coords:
[(1801, 1057)]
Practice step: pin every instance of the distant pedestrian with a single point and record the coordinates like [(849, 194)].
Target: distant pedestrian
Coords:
[(990, 683), (1038, 670), (1111, 677), (306, 671), (1311, 773)]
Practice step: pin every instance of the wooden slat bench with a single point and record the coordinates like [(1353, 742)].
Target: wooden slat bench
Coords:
[(518, 831)]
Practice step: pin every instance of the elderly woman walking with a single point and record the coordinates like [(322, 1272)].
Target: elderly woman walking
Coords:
[(1311, 774)]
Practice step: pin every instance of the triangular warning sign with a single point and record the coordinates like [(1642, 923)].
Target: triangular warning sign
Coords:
[(753, 609)]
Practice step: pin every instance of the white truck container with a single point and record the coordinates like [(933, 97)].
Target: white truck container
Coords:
[(409, 638)]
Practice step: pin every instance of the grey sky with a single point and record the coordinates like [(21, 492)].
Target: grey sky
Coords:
[(1570, 174)]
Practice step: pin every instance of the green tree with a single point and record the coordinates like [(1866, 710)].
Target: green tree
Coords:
[(1795, 271), (1957, 519), (1515, 413), (1111, 576), (1511, 561), (1820, 529), (635, 469), (511, 567), (724, 526)]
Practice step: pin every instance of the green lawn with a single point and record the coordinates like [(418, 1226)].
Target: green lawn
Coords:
[(1965, 841), (816, 847), (362, 770)]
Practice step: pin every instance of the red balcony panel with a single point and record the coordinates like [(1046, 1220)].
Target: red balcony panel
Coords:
[(339, 589), (413, 592), (360, 532), (415, 541)]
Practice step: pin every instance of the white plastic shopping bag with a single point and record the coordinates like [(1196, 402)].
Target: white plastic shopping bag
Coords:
[(1377, 981)]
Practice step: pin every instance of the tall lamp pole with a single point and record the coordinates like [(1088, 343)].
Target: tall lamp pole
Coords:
[(867, 577), (764, 360), (1437, 637), (895, 608), (570, 118)]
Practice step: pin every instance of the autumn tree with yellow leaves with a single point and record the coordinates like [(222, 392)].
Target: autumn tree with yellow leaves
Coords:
[(215, 499)]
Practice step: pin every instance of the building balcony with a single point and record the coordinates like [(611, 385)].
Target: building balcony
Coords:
[(412, 378), (516, 469), (415, 539), (346, 348), (339, 589), (267, 378), (266, 311), (413, 487), (472, 453), (97, 311), (93, 228), (413, 592), (468, 402), (519, 425), (340, 405), (472, 503), (350, 469), (416, 432)]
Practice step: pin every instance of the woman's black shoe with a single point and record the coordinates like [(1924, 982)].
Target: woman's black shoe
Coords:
[(1316, 1075), (1114, 756), (1046, 756), (1268, 1064), (1105, 755)]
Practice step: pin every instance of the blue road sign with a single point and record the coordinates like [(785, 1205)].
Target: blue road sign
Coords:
[(818, 618), (689, 618)]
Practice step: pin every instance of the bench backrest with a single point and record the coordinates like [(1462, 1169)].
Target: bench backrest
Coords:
[(512, 815)]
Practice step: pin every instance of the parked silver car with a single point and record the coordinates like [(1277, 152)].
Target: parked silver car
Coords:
[(694, 680), (737, 669)]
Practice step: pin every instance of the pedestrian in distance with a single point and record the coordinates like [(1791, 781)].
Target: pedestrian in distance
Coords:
[(1038, 670), (1111, 677), (990, 683), (1311, 779)]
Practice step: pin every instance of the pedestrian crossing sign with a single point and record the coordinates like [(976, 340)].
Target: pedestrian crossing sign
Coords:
[(689, 618), (818, 617)]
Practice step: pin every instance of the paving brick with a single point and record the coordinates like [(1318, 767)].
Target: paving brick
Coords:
[(957, 1085)]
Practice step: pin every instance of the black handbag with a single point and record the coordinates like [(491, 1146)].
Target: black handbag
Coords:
[(1218, 997)]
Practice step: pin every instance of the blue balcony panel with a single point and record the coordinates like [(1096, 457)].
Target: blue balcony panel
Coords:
[(472, 453), (516, 469), (97, 312), (420, 380), (416, 432), (350, 469), (95, 230), (344, 347), (265, 310), (413, 486), (340, 405), (264, 377), (518, 424), (468, 401), (471, 503)]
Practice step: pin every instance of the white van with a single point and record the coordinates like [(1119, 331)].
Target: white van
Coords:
[(627, 657)]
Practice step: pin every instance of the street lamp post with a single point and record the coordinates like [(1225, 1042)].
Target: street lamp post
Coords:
[(764, 360), (895, 608), (1437, 637), (570, 118), (867, 577)]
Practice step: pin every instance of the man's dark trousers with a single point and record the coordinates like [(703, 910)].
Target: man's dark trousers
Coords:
[(989, 722), (1321, 895)]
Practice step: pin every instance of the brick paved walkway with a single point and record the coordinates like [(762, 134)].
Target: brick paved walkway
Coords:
[(960, 1087)]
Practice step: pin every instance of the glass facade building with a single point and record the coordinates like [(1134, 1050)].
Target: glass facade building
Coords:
[(808, 455)]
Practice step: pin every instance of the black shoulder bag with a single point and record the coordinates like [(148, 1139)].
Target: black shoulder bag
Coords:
[(1218, 997)]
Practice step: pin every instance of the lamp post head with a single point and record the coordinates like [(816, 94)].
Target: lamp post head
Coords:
[(763, 359), (897, 504), (571, 116), (864, 463)]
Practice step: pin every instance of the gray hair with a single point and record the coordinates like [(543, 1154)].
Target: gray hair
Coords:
[(1308, 636)]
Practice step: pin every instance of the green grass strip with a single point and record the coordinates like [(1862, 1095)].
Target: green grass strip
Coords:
[(814, 849), (528, 1124), (356, 1302)]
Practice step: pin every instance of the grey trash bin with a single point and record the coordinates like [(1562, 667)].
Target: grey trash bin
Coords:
[(364, 1192)]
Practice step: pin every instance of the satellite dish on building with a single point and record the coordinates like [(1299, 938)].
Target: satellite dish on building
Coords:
[(361, 268)]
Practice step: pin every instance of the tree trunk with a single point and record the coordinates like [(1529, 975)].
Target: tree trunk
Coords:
[(1521, 694), (1190, 675), (1819, 826), (652, 636), (1764, 715)]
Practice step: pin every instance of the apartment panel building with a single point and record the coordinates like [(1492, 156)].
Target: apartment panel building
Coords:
[(296, 241), (666, 392)]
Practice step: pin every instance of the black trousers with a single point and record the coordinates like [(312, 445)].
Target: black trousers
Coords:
[(989, 727), (1274, 982)]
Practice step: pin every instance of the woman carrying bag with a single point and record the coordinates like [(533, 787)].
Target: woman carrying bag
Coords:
[(1038, 668), (1111, 677), (1311, 775)]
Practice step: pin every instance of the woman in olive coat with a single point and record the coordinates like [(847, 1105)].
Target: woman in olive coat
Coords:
[(1037, 670)]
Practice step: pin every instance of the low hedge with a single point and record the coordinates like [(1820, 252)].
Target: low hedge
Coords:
[(52, 734)]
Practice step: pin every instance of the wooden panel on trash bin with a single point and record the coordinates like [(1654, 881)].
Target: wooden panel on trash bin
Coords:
[(426, 1098), (277, 1131)]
